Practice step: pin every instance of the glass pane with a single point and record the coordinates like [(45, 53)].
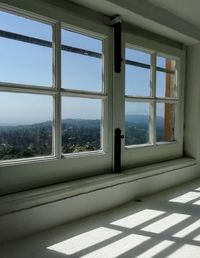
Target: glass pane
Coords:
[(21, 60), (161, 61), (25, 125), (166, 85), (165, 63), (136, 123), (81, 124), (81, 70), (138, 56), (23, 26), (17, 68), (74, 39), (137, 81), (165, 122), (137, 78)]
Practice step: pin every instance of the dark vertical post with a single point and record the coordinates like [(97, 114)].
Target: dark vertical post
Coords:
[(116, 23), (117, 44), (117, 154)]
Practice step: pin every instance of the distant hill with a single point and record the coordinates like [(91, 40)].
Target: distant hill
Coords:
[(142, 119), (135, 119), (48, 124), (21, 141)]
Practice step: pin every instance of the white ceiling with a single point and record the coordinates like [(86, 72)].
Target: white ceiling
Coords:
[(176, 19)]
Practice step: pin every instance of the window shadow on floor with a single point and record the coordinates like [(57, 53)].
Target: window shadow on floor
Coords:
[(163, 225)]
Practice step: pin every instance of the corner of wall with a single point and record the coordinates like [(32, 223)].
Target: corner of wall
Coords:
[(192, 103)]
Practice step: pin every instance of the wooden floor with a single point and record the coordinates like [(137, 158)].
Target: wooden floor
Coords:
[(166, 224)]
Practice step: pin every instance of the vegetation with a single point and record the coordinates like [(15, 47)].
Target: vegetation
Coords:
[(36, 140), (78, 135), (25, 141), (136, 129)]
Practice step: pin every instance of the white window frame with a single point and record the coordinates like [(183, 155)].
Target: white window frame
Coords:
[(139, 155), (63, 92), (18, 175), (60, 166)]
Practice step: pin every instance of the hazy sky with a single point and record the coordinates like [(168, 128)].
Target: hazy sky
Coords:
[(26, 63)]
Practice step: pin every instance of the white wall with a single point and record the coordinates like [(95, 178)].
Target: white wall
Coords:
[(192, 102)]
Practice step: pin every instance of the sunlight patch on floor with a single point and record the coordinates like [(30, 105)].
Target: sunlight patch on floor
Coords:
[(197, 202), (137, 218), (188, 230), (118, 248), (197, 238), (189, 251), (187, 197), (155, 250), (82, 241), (166, 223)]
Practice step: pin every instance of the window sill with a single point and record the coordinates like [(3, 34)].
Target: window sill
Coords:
[(146, 145), (32, 198)]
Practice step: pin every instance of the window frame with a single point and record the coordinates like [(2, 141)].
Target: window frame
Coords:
[(64, 92), (65, 165), (139, 155), (57, 91), (30, 173)]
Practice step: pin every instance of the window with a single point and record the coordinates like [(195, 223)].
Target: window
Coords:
[(26, 111), (26, 51), (60, 101), (152, 102), (137, 97), (27, 129), (143, 97), (82, 117), (26, 125), (54, 98)]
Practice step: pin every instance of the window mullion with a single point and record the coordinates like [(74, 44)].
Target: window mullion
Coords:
[(83, 94), (152, 126), (15, 87), (138, 99), (57, 85)]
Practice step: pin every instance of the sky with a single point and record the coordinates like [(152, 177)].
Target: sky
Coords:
[(26, 63)]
